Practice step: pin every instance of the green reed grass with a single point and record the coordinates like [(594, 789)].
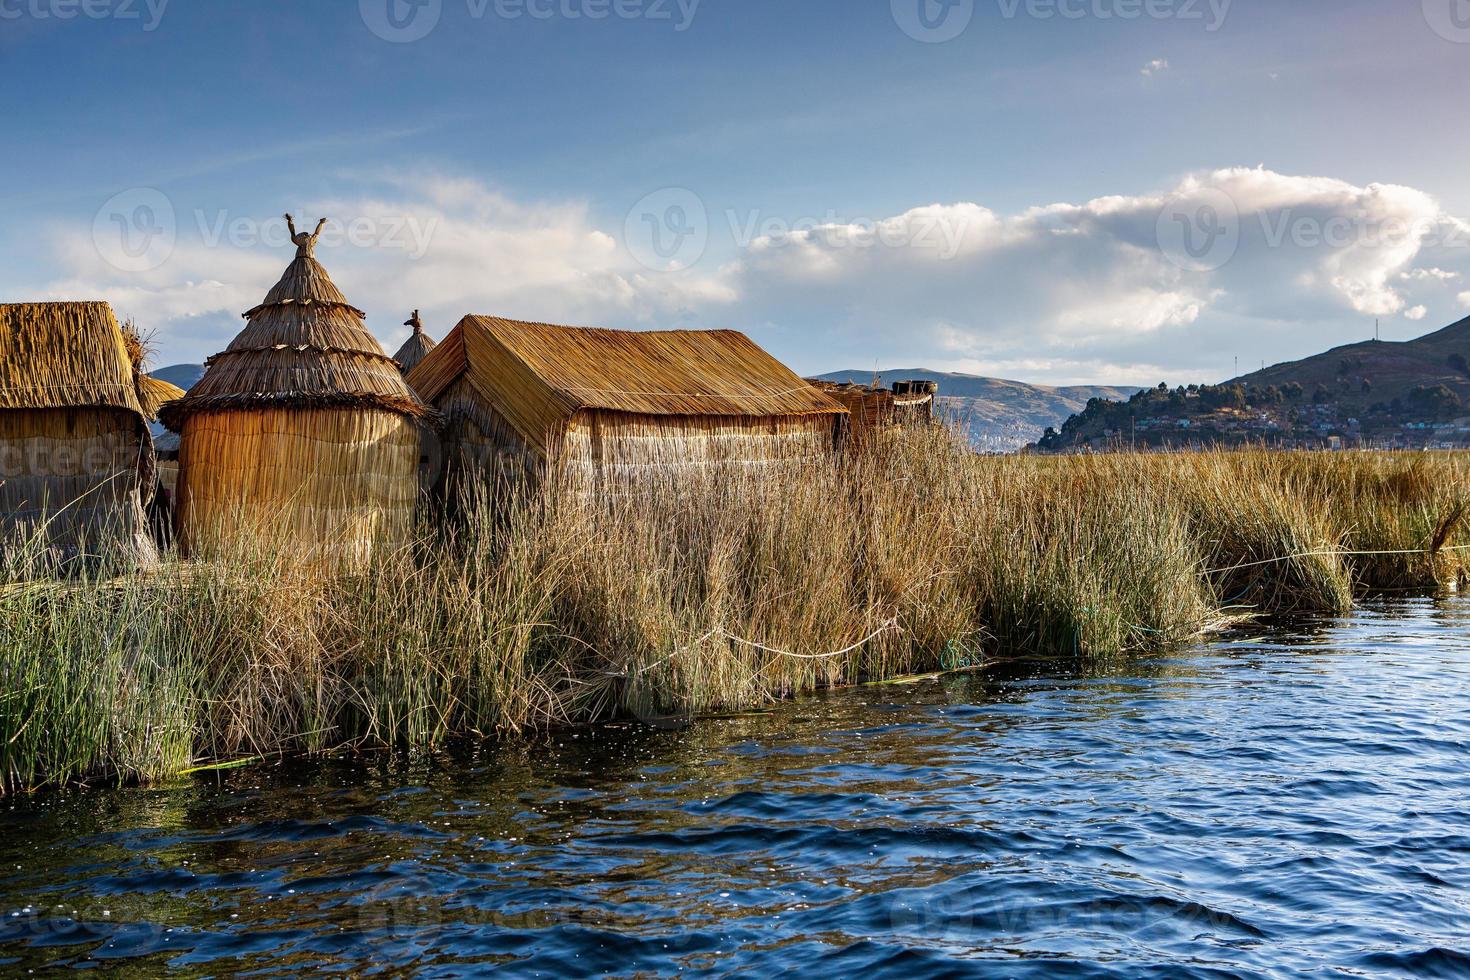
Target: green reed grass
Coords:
[(694, 593)]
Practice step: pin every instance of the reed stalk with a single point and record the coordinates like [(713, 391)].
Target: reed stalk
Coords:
[(678, 593)]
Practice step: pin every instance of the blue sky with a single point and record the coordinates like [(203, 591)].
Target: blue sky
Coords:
[(839, 185)]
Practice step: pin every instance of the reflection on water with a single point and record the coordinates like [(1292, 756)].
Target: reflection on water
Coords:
[(1290, 800)]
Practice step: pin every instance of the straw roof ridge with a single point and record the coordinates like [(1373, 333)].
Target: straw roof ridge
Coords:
[(66, 355), (174, 414), (668, 372), (255, 311), (300, 349)]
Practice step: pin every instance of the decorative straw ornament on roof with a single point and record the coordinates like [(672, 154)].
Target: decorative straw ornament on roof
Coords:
[(416, 347), (76, 457), (302, 430)]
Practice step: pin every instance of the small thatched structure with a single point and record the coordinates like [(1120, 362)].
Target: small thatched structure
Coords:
[(873, 408), (76, 458), (416, 347), (302, 430), (619, 402)]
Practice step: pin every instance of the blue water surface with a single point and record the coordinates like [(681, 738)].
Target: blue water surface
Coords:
[(1292, 801)]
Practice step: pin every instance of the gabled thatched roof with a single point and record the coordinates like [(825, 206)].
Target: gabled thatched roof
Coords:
[(304, 347), (537, 374), (416, 347), (154, 393), (66, 355)]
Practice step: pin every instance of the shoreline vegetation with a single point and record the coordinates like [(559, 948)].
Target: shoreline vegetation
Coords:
[(698, 593)]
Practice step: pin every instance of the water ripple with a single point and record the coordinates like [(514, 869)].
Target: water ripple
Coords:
[(1283, 802)]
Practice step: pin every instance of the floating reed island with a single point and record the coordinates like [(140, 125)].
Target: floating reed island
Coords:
[(655, 526)]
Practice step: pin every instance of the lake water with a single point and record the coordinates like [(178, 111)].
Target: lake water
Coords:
[(1284, 802)]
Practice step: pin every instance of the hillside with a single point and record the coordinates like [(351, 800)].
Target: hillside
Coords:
[(185, 376), (999, 415), (1411, 393)]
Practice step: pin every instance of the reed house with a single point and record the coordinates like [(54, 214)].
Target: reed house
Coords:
[(873, 408), (302, 430), (76, 457), (620, 402)]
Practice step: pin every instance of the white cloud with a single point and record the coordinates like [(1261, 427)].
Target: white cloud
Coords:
[(1154, 67), (1061, 292), (1067, 285), (447, 246)]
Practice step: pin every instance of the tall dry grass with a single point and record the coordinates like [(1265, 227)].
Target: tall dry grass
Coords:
[(689, 593)]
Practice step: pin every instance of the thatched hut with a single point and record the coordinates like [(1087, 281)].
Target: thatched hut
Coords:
[(514, 394), (302, 430), (873, 408), (76, 457), (416, 347)]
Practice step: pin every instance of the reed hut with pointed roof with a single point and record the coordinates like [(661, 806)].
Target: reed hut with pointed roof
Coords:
[(416, 347), (619, 402), (302, 429), (76, 457)]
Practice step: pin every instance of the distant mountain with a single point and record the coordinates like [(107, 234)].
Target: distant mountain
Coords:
[(1413, 393), (185, 376), (1000, 415)]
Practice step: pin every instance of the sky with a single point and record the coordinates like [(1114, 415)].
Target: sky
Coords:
[(1055, 191)]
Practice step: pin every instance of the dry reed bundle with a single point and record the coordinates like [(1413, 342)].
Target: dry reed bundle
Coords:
[(687, 590)]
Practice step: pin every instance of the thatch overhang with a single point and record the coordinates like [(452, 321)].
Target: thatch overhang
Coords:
[(154, 393), (416, 347), (67, 355), (538, 376), (305, 346)]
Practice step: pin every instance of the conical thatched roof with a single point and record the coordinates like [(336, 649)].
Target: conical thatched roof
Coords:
[(416, 347), (66, 355), (305, 346)]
